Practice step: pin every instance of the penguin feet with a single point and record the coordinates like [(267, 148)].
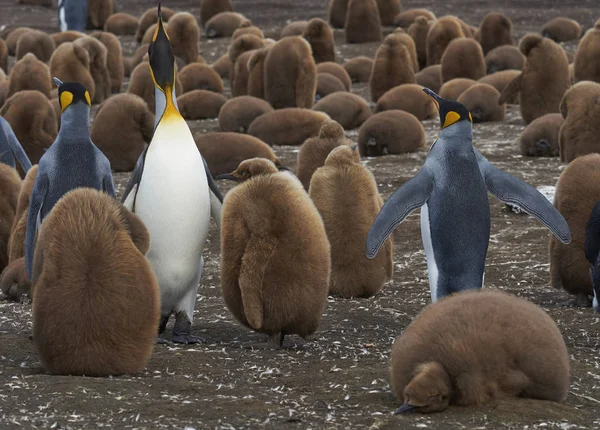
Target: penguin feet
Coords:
[(161, 340), (182, 329), (187, 339), (582, 300), (277, 339)]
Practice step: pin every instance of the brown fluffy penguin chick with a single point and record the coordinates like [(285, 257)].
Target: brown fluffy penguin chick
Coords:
[(388, 9), (184, 35), (66, 36), (98, 12), (13, 38), (544, 80), (222, 66), (240, 75), (362, 22), (314, 151), (473, 347), (359, 68), (121, 24), (463, 58), (418, 31), (10, 185), (580, 107), (245, 29), (337, 71), (408, 41), (452, 89), (390, 132), (210, 8), (14, 282), (577, 192), (327, 84), (123, 145), (406, 18), (409, 98), (224, 24), (441, 33), (33, 120), (500, 80), (430, 77), (114, 59), (141, 84), (71, 63), (505, 57), (294, 28), (320, 37), (4, 83), (140, 55), (224, 152), (290, 74), (148, 18), (392, 67), (29, 73), (481, 100), (345, 194), (196, 76), (256, 73), (586, 65), (349, 110), (562, 29), (200, 104), (90, 235), (3, 56), (290, 126), (267, 284), (98, 67), (16, 247), (238, 113), (38, 43), (336, 13), (495, 30), (127, 67), (540, 137)]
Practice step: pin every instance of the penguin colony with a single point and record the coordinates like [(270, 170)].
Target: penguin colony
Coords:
[(288, 240)]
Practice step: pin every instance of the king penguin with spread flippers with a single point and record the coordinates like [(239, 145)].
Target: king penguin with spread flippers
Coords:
[(72, 15), (11, 150), (172, 192), (451, 190), (72, 161)]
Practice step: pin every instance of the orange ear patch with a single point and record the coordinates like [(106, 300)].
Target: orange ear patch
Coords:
[(451, 118)]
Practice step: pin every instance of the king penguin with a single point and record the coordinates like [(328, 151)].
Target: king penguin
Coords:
[(451, 190), (11, 150), (592, 252), (72, 161), (72, 14), (172, 191)]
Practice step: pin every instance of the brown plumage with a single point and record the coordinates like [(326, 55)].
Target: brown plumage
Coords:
[(294, 28), (140, 55), (470, 348), (495, 30), (505, 57), (222, 66), (406, 18), (266, 284), (404, 38), (29, 73), (544, 79), (224, 152), (210, 8), (586, 65), (33, 120), (327, 84), (200, 104), (418, 31), (362, 22), (345, 194), (98, 12), (441, 33), (238, 113), (127, 67), (98, 67), (224, 24), (16, 248), (149, 18), (291, 126), (463, 58), (349, 110), (121, 24), (390, 132), (430, 77), (452, 89), (290, 74), (562, 29), (196, 76), (13, 38), (10, 185), (14, 282), (336, 13), (359, 68), (580, 107), (320, 37), (392, 67), (141, 84), (540, 138), (89, 235), (237, 48), (388, 9), (4, 83), (114, 59), (184, 35), (409, 98), (246, 28), (256, 73), (66, 36), (337, 71), (482, 102), (3, 56), (314, 151), (241, 74), (500, 80), (38, 43), (71, 63), (123, 144)]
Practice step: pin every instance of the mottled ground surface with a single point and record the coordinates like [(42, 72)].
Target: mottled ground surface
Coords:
[(339, 380)]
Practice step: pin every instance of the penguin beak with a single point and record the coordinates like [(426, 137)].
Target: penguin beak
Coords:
[(229, 176), (57, 81), (283, 169), (161, 58), (405, 408), (436, 99)]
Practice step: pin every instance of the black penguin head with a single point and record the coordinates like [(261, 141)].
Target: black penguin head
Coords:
[(451, 112), (71, 93), (161, 58)]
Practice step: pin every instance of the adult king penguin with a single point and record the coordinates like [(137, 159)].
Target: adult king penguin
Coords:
[(172, 191), (72, 161), (10, 147), (451, 190), (72, 14)]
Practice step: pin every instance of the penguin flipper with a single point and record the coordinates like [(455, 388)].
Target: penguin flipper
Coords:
[(592, 235), (17, 150), (411, 195), (134, 179), (509, 189), (38, 195), (211, 182), (511, 90)]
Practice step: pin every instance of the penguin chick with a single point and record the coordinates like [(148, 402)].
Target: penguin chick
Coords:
[(14, 282), (71, 62), (337, 71), (98, 12), (336, 13), (223, 24), (141, 84), (11, 151), (482, 101), (359, 68), (241, 74), (114, 59), (121, 24), (463, 58), (90, 235), (3, 56), (13, 38), (409, 43), (29, 73), (500, 80), (585, 63), (327, 84), (453, 88), (388, 9), (267, 284), (495, 30), (314, 151), (210, 8), (505, 57), (347, 109), (294, 28), (148, 18), (224, 152), (392, 67), (245, 29), (592, 247), (320, 37), (238, 113), (291, 126), (540, 137), (200, 104), (430, 77), (562, 29), (406, 18), (123, 145), (140, 55), (66, 36), (494, 345), (196, 76), (184, 35), (256, 73), (418, 31), (38, 43), (409, 98), (16, 246), (390, 132), (441, 33), (362, 24), (10, 185), (98, 67)]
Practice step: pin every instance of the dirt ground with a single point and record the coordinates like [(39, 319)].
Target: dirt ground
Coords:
[(340, 379)]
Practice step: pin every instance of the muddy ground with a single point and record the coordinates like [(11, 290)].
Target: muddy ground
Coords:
[(339, 380)]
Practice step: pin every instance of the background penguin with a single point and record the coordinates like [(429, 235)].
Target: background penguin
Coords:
[(453, 88), (388, 9), (238, 113), (359, 68), (406, 18), (36, 42), (441, 194), (392, 67), (294, 28), (200, 104), (409, 42), (345, 194), (418, 31), (224, 24), (327, 84), (463, 58), (347, 109), (256, 76), (72, 161), (246, 28), (3, 56), (494, 345), (505, 57), (540, 137), (291, 126), (10, 185), (544, 79), (196, 76), (409, 98), (177, 243), (481, 100), (592, 247), (14, 283), (390, 132), (98, 13), (11, 150), (441, 33), (72, 63), (89, 235), (121, 24), (336, 13), (362, 24), (114, 59), (241, 74), (337, 71), (430, 77), (13, 38), (141, 84), (586, 57), (267, 285), (98, 67), (500, 80), (224, 152), (72, 15), (561, 29), (184, 35), (210, 8), (242, 44), (29, 73), (16, 247), (148, 18), (122, 145), (66, 36), (320, 37), (495, 30)]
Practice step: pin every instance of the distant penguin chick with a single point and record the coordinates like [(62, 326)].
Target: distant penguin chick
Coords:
[(586, 57), (3, 56), (336, 70), (247, 29), (495, 30), (294, 28), (320, 37), (16, 247), (98, 13), (184, 35), (121, 24), (390, 132), (410, 45), (349, 110), (256, 73), (222, 66), (500, 80), (327, 84), (463, 58), (98, 67), (238, 113), (540, 137), (561, 29), (441, 33), (336, 13), (291, 126), (452, 89), (200, 104), (362, 24), (148, 18), (210, 8), (13, 38), (492, 345), (392, 67), (223, 24), (196, 76), (71, 62), (409, 98), (359, 68), (10, 185), (29, 73), (505, 57), (406, 18), (418, 31), (36, 42), (114, 59), (388, 9), (430, 77), (66, 36), (482, 102), (14, 282)]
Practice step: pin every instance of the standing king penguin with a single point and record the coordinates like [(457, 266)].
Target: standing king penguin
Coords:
[(10, 147), (451, 190), (172, 191), (72, 161), (72, 14)]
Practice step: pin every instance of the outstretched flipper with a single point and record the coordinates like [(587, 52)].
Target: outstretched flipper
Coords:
[(134, 182), (410, 196), (509, 189), (216, 198), (15, 146), (38, 195)]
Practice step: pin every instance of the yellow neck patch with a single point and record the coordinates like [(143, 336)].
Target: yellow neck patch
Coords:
[(65, 100), (88, 98), (451, 118)]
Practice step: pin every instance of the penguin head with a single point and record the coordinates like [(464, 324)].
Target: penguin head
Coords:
[(451, 112), (249, 168), (428, 391), (72, 94), (161, 58)]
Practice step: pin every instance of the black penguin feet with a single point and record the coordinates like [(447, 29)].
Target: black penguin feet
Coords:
[(187, 339), (277, 339), (582, 300), (161, 340), (182, 329)]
